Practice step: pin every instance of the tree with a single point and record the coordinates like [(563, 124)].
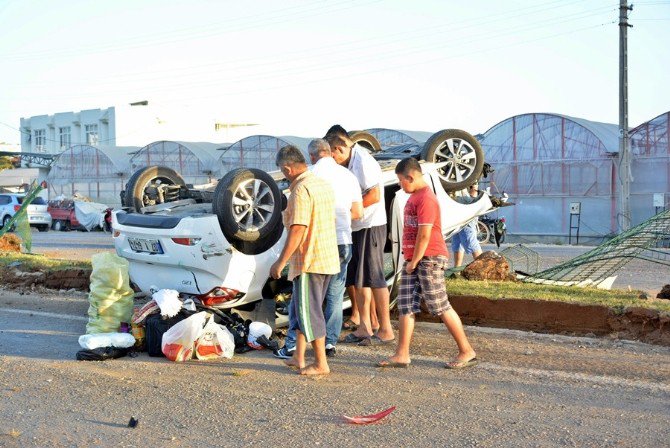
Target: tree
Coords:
[(6, 163)]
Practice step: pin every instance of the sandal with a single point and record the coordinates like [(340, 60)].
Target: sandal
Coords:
[(350, 325), (352, 339), (461, 364)]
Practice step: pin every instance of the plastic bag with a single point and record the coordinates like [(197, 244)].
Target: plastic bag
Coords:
[(101, 354), (178, 341), (168, 301), (110, 299), (118, 340), (256, 330), (214, 342)]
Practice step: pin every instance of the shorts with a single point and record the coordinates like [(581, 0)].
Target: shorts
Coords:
[(306, 314), (366, 268), (427, 283), (465, 240)]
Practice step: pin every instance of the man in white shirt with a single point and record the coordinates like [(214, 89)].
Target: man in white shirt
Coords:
[(366, 269), (348, 207)]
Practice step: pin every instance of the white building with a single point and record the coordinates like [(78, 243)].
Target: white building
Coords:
[(51, 134)]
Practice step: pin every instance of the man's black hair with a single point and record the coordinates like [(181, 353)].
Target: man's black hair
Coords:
[(406, 165), (336, 129)]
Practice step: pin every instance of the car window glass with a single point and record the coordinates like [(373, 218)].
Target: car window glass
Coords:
[(19, 199), (4, 200)]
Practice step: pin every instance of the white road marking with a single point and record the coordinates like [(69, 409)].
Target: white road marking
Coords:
[(45, 314)]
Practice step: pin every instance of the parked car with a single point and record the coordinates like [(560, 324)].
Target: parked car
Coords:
[(217, 242), (38, 216)]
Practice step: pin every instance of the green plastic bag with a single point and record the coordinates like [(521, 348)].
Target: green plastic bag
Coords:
[(111, 298)]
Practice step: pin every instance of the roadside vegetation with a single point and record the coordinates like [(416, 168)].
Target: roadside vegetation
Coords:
[(616, 298), (34, 263)]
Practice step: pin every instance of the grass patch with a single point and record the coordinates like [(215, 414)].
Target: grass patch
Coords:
[(32, 262), (615, 298)]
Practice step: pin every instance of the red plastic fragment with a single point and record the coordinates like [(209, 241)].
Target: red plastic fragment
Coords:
[(366, 419)]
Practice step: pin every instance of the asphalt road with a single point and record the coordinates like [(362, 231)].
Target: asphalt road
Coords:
[(640, 275), (528, 390)]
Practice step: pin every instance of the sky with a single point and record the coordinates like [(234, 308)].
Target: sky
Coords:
[(297, 67)]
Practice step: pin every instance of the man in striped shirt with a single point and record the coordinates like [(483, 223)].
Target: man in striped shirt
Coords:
[(311, 252)]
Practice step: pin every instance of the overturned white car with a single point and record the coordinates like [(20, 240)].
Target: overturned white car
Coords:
[(217, 242)]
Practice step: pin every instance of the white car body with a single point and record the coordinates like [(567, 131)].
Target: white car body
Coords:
[(210, 261)]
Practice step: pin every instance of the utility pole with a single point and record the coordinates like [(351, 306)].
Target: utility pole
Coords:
[(624, 149)]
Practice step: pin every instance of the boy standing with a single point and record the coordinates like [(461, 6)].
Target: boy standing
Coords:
[(426, 259)]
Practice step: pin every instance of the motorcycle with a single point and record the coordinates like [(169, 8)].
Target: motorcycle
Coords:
[(108, 220), (492, 229)]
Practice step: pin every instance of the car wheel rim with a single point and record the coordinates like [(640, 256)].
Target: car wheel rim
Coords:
[(253, 205), (459, 157)]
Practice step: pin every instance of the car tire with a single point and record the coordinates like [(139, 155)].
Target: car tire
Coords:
[(136, 195), (248, 202), (57, 225), (43, 228), (366, 140), (5, 221), (462, 153)]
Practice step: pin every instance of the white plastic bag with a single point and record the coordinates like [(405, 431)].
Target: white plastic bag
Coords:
[(118, 340), (256, 330), (168, 301), (178, 341), (214, 342)]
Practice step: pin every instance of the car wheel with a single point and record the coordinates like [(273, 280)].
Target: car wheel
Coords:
[(5, 222), (57, 225), (152, 185), (247, 202), (43, 228), (461, 154), (366, 140), (483, 233)]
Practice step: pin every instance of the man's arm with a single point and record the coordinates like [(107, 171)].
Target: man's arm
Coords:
[(295, 235), (356, 210), (422, 240), (372, 196)]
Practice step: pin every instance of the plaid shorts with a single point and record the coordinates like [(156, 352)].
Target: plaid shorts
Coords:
[(427, 283)]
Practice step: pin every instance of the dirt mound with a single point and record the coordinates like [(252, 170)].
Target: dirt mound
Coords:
[(488, 266), (10, 243), (665, 293), (14, 278), (542, 316)]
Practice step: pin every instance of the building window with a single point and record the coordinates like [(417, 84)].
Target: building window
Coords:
[(92, 134), (64, 137), (40, 140)]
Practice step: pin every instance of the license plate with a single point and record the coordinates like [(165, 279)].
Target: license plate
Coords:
[(145, 245)]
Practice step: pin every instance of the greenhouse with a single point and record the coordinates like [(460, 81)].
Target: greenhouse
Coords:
[(650, 150), (99, 173), (196, 162), (258, 151), (545, 163), (391, 137)]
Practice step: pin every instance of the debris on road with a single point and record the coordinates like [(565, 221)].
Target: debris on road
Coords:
[(367, 419)]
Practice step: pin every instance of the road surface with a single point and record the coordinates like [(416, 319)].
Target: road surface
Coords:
[(528, 390)]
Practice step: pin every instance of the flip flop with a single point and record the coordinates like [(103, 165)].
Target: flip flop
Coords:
[(375, 340), (388, 364), (352, 339), (350, 325), (461, 364)]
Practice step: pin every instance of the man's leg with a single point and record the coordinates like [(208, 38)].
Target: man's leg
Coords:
[(320, 365), (458, 258), (382, 298), (363, 299), (298, 358), (374, 318), (406, 329), (334, 296), (355, 317), (455, 327), (476, 254)]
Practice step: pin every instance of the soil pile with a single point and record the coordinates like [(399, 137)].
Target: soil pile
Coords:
[(10, 243)]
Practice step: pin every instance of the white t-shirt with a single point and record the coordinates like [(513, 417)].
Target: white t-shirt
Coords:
[(346, 189), (369, 175)]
